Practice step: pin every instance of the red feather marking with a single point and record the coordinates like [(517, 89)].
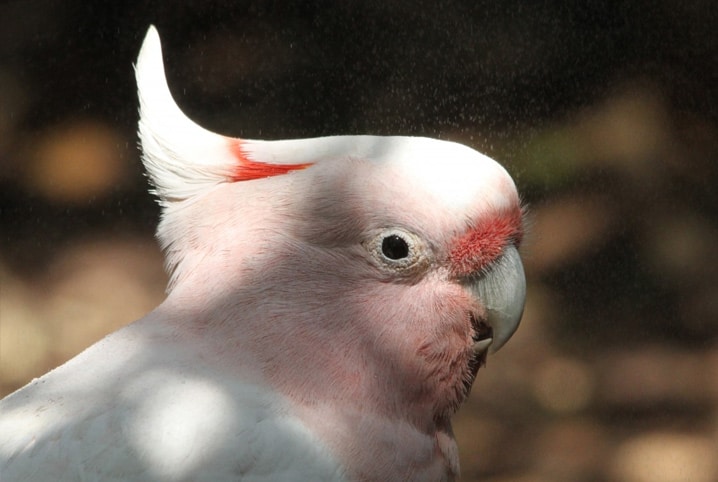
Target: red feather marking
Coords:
[(247, 169), (474, 250)]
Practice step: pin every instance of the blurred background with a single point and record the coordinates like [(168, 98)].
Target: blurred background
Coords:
[(605, 113)]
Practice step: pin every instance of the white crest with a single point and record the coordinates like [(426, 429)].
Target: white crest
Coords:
[(181, 158)]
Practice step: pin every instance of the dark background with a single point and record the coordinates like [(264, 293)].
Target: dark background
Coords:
[(605, 113)]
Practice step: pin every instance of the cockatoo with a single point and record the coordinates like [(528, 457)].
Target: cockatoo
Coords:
[(330, 302)]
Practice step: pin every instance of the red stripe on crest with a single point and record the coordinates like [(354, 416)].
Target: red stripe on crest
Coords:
[(481, 245), (247, 169)]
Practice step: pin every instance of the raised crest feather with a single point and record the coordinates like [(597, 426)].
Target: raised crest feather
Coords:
[(182, 158)]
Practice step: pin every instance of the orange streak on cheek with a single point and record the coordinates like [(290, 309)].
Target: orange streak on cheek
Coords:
[(481, 245)]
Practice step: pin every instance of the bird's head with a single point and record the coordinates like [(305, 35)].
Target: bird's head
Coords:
[(380, 269)]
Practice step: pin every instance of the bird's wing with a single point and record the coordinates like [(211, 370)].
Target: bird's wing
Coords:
[(151, 414)]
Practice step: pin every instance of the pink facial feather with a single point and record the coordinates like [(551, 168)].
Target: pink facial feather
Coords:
[(474, 250), (247, 169)]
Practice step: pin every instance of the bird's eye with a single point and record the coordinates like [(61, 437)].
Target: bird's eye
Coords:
[(394, 247), (398, 251)]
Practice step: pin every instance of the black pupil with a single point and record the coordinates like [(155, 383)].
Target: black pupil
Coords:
[(394, 247)]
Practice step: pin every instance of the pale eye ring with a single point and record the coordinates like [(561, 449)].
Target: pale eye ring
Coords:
[(398, 250)]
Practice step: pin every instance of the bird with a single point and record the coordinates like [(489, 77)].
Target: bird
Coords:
[(330, 302)]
